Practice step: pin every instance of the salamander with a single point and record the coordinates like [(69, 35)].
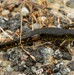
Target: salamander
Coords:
[(45, 33)]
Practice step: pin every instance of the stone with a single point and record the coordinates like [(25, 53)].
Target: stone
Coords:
[(71, 15), (5, 12), (47, 54), (70, 3), (9, 68), (35, 26), (71, 65), (5, 63), (67, 56), (64, 70), (58, 55), (24, 11), (58, 73)]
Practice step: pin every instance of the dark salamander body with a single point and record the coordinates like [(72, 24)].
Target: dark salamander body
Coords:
[(49, 33)]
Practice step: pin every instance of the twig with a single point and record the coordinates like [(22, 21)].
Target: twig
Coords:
[(21, 17), (63, 42), (28, 53), (6, 33)]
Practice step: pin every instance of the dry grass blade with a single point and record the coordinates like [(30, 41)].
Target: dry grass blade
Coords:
[(28, 53), (63, 42), (6, 33), (21, 18)]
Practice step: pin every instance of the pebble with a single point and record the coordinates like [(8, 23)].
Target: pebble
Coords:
[(71, 65), (64, 70), (70, 3), (58, 54), (70, 15), (43, 18), (56, 67), (35, 26), (66, 56), (13, 24), (5, 63), (59, 64), (2, 23), (72, 19), (15, 15), (9, 68), (21, 74), (14, 55), (24, 11), (1, 20), (24, 57), (38, 65), (5, 12), (33, 68), (39, 71), (47, 54), (58, 73)]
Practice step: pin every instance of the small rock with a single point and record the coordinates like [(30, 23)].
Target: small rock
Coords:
[(33, 68), (70, 15), (21, 67), (58, 55), (15, 14), (42, 19), (58, 73), (38, 65), (2, 22), (39, 71), (70, 3), (67, 56), (5, 63), (24, 57), (24, 11), (71, 65), (9, 68), (35, 26), (22, 74), (59, 64), (47, 54), (72, 19), (13, 24), (64, 70), (56, 67), (5, 12)]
